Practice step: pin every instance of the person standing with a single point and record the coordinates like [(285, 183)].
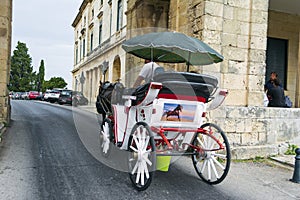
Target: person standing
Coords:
[(269, 84), (276, 95)]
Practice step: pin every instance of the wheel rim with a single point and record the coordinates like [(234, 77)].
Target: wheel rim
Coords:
[(140, 157), (212, 160)]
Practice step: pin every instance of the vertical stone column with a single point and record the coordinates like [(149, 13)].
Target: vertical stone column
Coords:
[(238, 30), (257, 46), (5, 51)]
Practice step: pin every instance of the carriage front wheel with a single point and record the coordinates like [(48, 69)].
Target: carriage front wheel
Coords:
[(106, 137), (142, 156), (212, 154)]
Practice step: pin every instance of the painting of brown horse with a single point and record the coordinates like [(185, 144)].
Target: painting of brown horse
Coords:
[(175, 112)]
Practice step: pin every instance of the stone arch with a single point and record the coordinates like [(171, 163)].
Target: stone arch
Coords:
[(116, 69)]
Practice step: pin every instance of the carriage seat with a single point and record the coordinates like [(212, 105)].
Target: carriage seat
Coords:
[(140, 92), (186, 86)]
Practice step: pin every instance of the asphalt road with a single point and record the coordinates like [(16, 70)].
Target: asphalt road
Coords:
[(52, 152)]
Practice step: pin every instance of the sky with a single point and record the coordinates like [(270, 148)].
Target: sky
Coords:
[(45, 26)]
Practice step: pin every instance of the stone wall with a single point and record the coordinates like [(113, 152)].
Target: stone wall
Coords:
[(258, 131), (5, 50)]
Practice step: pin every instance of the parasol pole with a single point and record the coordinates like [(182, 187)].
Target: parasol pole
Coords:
[(152, 64), (188, 62)]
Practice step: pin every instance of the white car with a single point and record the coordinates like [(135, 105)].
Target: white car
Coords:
[(46, 95), (54, 95)]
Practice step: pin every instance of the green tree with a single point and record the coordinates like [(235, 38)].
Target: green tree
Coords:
[(41, 76), (55, 82), (21, 70)]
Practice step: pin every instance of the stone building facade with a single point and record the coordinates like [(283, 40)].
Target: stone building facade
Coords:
[(243, 32), (5, 50), (99, 30)]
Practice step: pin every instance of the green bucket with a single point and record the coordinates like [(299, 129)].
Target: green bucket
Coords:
[(163, 163)]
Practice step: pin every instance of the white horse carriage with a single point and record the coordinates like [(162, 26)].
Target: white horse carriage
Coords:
[(164, 118)]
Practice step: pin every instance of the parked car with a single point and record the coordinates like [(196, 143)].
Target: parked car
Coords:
[(33, 95), (11, 94), (54, 95), (72, 97), (79, 99), (17, 95), (40, 97), (46, 95), (24, 95), (65, 97)]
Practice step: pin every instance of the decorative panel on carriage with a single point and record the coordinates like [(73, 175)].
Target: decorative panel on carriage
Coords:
[(177, 113)]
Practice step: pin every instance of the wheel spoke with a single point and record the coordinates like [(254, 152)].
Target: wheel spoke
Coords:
[(145, 157), (146, 143), (220, 155), (218, 163), (208, 170), (212, 143), (203, 166), (214, 168), (201, 143), (136, 142), (143, 137), (138, 173), (146, 170), (135, 167), (134, 149), (142, 173)]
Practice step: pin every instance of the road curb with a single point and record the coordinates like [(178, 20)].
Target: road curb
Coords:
[(285, 160)]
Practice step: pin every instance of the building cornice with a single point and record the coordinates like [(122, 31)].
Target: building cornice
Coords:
[(103, 49), (81, 9)]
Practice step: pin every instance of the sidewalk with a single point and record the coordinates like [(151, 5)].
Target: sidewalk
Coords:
[(91, 107)]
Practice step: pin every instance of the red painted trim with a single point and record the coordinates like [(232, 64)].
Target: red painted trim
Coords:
[(182, 97), (115, 124), (160, 131), (156, 86)]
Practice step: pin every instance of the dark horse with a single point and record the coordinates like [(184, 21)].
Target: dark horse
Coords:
[(174, 112)]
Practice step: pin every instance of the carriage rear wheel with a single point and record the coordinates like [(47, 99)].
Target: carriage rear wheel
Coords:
[(142, 156), (106, 137), (212, 160)]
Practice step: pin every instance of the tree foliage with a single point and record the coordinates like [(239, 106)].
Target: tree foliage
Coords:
[(41, 76), (21, 77), (55, 82)]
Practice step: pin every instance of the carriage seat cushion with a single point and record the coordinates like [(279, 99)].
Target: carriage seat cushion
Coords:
[(140, 93), (186, 77), (186, 86)]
